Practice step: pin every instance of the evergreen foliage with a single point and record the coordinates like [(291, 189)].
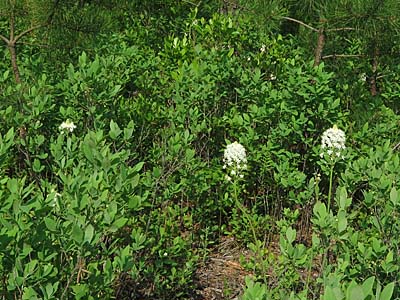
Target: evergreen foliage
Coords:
[(137, 136)]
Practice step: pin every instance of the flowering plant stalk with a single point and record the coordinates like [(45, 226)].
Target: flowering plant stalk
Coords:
[(235, 163), (332, 146)]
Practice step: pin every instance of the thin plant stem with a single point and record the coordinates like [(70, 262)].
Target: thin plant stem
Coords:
[(324, 258), (326, 252), (252, 228), (330, 187), (316, 190)]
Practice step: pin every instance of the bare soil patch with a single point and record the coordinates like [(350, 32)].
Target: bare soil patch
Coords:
[(221, 277)]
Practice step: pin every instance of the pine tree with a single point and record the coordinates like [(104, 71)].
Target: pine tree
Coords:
[(23, 17), (375, 23), (54, 22)]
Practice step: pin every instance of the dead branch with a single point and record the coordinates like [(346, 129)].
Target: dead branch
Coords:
[(301, 23), (342, 56)]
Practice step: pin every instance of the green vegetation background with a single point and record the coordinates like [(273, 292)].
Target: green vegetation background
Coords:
[(129, 204)]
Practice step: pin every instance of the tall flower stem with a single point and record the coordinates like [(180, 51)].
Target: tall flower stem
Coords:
[(330, 186), (252, 228)]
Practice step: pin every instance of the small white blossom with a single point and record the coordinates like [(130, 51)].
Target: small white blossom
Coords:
[(272, 77), (262, 49), (235, 159), (363, 77), (333, 142), (318, 177), (67, 126)]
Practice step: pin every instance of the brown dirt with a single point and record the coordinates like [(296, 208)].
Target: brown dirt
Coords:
[(221, 277)]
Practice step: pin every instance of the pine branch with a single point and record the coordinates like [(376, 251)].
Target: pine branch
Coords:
[(6, 40), (342, 56), (27, 31), (301, 23), (341, 29)]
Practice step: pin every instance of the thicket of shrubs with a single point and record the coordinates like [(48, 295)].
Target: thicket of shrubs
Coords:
[(128, 202)]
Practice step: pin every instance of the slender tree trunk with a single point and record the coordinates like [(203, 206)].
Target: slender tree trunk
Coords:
[(320, 47), (13, 39), (375, 62), (12, 47), (14, 63)]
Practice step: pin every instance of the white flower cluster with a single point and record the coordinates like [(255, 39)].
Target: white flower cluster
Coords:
[(333, 142), (235, 159), (67, 126)]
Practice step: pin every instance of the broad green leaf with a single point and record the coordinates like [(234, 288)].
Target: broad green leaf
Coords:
[(94, 67), (134, 202), (315, 240), (29, 294), (138, 166), (329, 294), (80, 290), (115, 131), (83, 202), (190, 153), (87, 151), (49, 289), (10, 134), (394, 196), (355, 292), (47, 269), (12, 185), (338, 293), (128, 131), (77, 233), (37, 167), (343, 201), (290, 234), (342, 221), (89, 232), (368, 285), (389, 257), (50, 224), (320, 210), (5, 75), (117, 224), (135, 181), (387, 292), (82, 59), (29, 268)]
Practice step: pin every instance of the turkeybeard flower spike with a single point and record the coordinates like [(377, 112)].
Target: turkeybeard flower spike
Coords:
[(235, 159), (67, 126), (333, 142)]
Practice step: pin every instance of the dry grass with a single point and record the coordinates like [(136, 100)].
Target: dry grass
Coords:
[(221, 277)]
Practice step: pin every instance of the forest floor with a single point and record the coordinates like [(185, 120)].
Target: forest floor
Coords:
[(222, 276)]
